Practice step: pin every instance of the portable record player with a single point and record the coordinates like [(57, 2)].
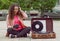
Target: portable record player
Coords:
[(42, 28)]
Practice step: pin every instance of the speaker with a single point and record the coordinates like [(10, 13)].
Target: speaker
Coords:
[(42, 28)]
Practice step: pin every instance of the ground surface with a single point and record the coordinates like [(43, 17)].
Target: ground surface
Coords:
[(3, 27)]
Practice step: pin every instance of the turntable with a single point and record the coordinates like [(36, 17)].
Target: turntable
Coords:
[(42, 28)]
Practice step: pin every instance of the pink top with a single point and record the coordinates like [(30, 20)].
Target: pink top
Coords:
[(16, 20)]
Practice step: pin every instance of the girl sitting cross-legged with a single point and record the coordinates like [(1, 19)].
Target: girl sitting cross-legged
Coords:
[(16, 27)]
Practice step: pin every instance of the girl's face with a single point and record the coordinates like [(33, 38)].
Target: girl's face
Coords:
[(15, 10)]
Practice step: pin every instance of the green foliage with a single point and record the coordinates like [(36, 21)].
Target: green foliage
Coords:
[(4, 4), (29, 4), (47, 4)]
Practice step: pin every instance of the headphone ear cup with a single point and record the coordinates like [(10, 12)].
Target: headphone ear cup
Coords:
[(37, 23), (16, 26)]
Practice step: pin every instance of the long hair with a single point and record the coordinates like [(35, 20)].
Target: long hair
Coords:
[(11, 11)]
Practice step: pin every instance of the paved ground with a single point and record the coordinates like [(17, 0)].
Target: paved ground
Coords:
[(3, 27)]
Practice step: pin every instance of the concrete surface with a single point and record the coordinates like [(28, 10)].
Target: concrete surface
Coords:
[(3, 27)]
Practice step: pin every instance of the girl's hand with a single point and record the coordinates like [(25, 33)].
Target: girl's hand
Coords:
[(24, 26), (10, 26), (20, 8)]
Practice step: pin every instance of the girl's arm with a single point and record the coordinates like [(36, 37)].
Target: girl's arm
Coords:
[(8, 21), (24, 15)]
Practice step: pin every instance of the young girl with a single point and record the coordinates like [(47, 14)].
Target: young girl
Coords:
[(15, 22)]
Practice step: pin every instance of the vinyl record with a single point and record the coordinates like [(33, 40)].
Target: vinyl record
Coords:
[(36, 28)]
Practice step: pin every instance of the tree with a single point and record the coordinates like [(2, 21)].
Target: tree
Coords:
[(29, 4), (47, 5), (4, 4)]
